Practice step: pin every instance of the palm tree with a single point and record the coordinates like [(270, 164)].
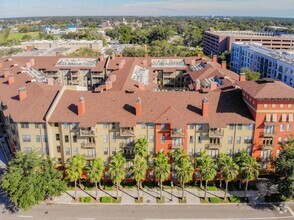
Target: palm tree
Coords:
[(249, 171), (161, 169), (207, 171), (74, 169), (139, 171), (199, 161), (95, 172), (141, 147), (221, 160), (117, 169), (184, 171), (178, 155), (230, 171), (241, 159)]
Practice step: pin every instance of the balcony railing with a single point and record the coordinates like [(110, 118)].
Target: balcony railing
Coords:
[(88, 145), (267, 146), (177, 133), (213, 145), (90, 157), (216, 133), (88, 132), (268, 134), (127, 132)]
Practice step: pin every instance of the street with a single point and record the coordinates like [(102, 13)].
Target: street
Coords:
[(146, 212)]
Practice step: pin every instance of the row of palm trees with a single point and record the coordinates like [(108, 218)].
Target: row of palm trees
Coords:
[(184, 166)]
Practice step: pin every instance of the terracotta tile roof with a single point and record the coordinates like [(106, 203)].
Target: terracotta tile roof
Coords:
[(35, 106), (177, 108), (267, 89)]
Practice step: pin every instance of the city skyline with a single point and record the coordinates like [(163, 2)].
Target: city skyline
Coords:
[(260, 8)]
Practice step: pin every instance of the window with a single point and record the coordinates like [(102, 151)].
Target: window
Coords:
[(45, 139), (274, 118), (238, 140), (26, 138), (105, 150), (282, 127), (65, 125), (90, 153), (247, 140), (151, 125), (75, 150), (230, 152), (27, 150), (113, 150), (58, 149), (288, 127), (39, 150), (249, 126), (57, 137), (105, 138), (289, 105), (200, 139), (36, 125), (55, 124), (162, 139), (231, 126), (24, 125), (143, 125), (190, 151), (38, 138), (290, 119), (75, 138), (151, 138), (200, 127), (230, 140), (67, 151), (177, 141), (74, 125), (281, 105), (265, 105), (191, 126), (279, 139), (163, 127), (213, 153), (105, 125), (284, 117), (151, 151), (278, 153), (198, 151), (265, 154), (267, 117), (191, 139), (273, 105), (239, 126), (66, 139), (113, 138)]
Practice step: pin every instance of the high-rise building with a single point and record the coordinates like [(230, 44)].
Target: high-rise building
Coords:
[(220, 41), (270, 63)]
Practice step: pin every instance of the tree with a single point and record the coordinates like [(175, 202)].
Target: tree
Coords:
[(140, 148), (95, 172), (26, 37), (241, 159), (117, 169), (133, 52), (250, 75), (230, 171), (284, 169), (200, 159), (249, 171), (184, 170), (30, 179), (207, 171), (139, 169), (161, 169), (221, 160), (74, 169)]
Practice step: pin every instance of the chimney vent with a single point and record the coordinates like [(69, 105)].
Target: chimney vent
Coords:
[(242, 77), (224, 64), (22, 93), (138, 106), (205, 107), (6, 73), (214, 58), (81, 106), (11, 79)]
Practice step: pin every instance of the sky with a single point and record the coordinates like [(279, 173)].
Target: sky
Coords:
[(32, 8)]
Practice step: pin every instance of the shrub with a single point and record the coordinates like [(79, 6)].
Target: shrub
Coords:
[(215, 200), (140, 200), (160, 200), (86, 199), (183, 200), (106, 199), (234, 199)]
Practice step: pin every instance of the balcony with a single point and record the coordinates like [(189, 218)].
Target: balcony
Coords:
[(88, 145), (213, 145), (268, 134), (177, 133), (216, 133), (267, 146), (127, 132), (90, 156), (88, 132)]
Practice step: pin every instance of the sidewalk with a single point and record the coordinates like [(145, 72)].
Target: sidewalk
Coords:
[(150, 195)]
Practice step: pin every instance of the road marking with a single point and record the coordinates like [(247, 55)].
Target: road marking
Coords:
[(290, 210), (25, 216), (242, 218)]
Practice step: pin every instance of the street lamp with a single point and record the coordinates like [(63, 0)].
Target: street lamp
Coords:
[(172, 186)]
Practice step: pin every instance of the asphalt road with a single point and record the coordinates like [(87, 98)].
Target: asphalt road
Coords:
[(146, 212)]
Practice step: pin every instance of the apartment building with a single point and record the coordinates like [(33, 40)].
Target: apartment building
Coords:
[(213, 116), (270, 63), (216, 42)]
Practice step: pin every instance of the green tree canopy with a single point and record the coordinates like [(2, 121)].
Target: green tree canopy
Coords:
[(95, 172), (250, 75), (284, 169), (31, 179), (139, 169)]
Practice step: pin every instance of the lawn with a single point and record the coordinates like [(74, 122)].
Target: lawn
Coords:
[(108, 199), (18, 36), (234, 199), (215, 200), (86, 199)]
